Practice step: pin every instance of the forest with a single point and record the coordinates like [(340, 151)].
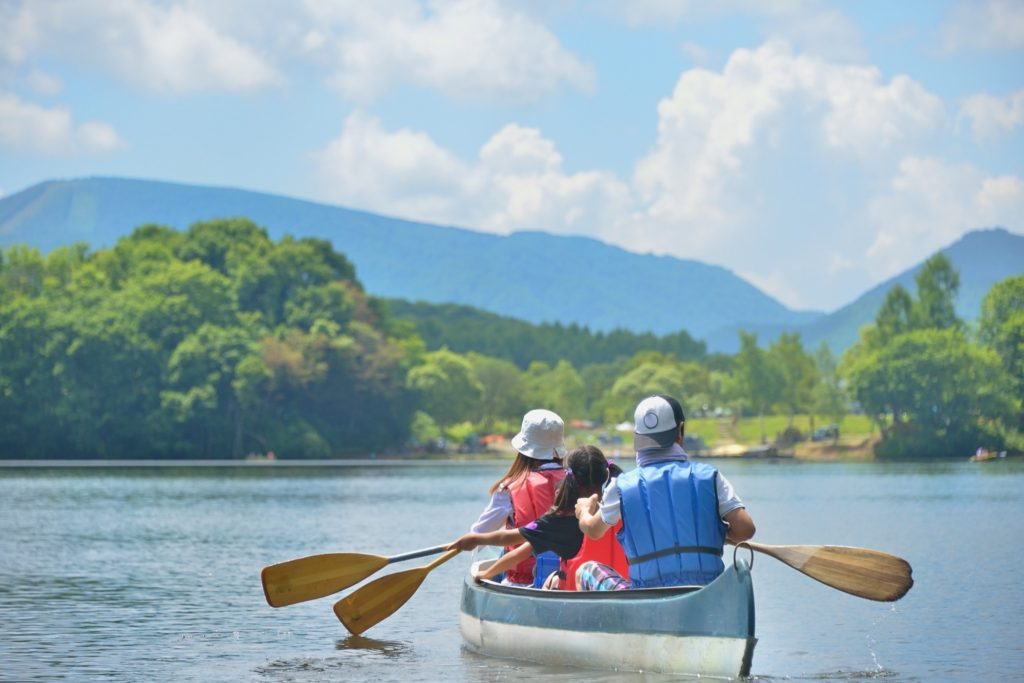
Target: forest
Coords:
[(218, 342)]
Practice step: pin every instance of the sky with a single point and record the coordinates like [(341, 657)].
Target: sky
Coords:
[(813, 148)]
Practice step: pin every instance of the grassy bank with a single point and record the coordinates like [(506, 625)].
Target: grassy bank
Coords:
[(856, 441), (747, 430)]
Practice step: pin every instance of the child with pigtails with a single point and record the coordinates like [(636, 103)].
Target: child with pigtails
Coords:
[(558, 529)]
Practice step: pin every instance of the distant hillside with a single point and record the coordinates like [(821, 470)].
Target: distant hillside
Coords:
[(530, 276), (983, 258), (464, 329)]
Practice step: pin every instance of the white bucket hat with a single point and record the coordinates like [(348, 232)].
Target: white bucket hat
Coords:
[(542, 436)]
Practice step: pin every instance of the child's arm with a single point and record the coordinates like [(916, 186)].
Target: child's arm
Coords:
[(506, 561), (591, 522), (501, 537)]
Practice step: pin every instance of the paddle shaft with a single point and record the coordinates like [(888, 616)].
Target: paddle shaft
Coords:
[(417, 553)]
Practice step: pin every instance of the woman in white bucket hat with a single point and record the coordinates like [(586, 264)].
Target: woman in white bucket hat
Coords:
[(527, 490)]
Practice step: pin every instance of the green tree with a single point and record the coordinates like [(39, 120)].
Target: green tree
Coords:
[(797, 372), (828, 397), (1001, 327), (557, 388), (931, 392), (758, 380), (896, 314), (503, 392), (447, 389), (502, 389), (937, 285), (203, 379), (654, 375)]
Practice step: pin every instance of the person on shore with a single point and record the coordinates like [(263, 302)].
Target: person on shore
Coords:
[(677, 515), (527, 489), (558, 529)]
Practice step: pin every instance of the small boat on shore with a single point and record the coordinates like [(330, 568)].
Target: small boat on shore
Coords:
[(983, 454), (691, 630)]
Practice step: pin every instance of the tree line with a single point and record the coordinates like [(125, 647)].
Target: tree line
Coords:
[(217, 342)]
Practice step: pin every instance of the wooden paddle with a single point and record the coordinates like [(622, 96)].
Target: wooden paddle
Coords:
[(318, 576), (858, 571), (381, 598)]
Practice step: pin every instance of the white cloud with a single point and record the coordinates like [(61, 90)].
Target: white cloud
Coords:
[(776, 282), (712, 120), (930, 203), (992, 117), (467, 49), (150, 45), (43, 83), (524, 186), (696, 53), (30, 127), (826, 33), (516, 183), (402, 173), (984, 25), (640, 12)]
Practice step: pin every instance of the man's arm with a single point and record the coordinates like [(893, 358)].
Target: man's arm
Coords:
[(741, 526), (591, 523)]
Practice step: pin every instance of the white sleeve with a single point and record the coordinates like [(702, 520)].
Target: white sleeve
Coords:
[(495, 514), (611, 508), (727, 498)]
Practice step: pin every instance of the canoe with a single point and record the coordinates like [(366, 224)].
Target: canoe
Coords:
[(691, 630)]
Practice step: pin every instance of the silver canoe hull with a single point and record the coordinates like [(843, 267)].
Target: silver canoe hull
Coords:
[(705, 632)]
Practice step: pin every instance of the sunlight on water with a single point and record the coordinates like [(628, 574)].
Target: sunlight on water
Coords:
[(153, 574)]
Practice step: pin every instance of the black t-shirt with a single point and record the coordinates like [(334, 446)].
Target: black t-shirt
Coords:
[(558, 533)]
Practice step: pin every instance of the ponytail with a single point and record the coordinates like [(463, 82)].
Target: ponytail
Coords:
[(586, 472)]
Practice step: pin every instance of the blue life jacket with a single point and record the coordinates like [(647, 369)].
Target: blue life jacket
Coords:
[(672, 534)]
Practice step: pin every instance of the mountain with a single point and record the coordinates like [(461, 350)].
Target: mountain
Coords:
[(531, 276), (982, 257)]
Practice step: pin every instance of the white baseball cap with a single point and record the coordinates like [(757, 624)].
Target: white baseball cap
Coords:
[(542, 436), (656, 422)]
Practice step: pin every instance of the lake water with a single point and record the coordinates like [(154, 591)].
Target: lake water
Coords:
[(152, 574)]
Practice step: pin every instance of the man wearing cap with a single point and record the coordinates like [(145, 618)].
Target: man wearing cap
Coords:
[(677, 514)]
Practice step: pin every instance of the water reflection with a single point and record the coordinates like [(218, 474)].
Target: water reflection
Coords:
[(385, 648)]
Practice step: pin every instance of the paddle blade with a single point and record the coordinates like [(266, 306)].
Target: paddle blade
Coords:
[(862, 572), (316, 576), (378, 600)]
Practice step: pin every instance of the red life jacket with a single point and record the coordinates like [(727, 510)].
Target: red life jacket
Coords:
[(607, 551), (532, 496)]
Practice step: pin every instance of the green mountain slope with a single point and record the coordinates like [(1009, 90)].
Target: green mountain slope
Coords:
[(531, 276)]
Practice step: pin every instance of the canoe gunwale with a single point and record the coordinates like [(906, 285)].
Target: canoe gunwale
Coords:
[(627, 595)]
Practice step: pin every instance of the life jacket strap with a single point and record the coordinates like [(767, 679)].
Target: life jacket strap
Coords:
[(675, 550)]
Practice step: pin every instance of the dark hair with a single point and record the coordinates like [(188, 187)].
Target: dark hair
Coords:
[(519, 468), (586, 472)]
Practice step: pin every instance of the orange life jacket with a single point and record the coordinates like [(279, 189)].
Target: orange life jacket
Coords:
[(532, 496), (607, 551)]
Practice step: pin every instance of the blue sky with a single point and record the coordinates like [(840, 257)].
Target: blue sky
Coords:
[(813, 148)]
